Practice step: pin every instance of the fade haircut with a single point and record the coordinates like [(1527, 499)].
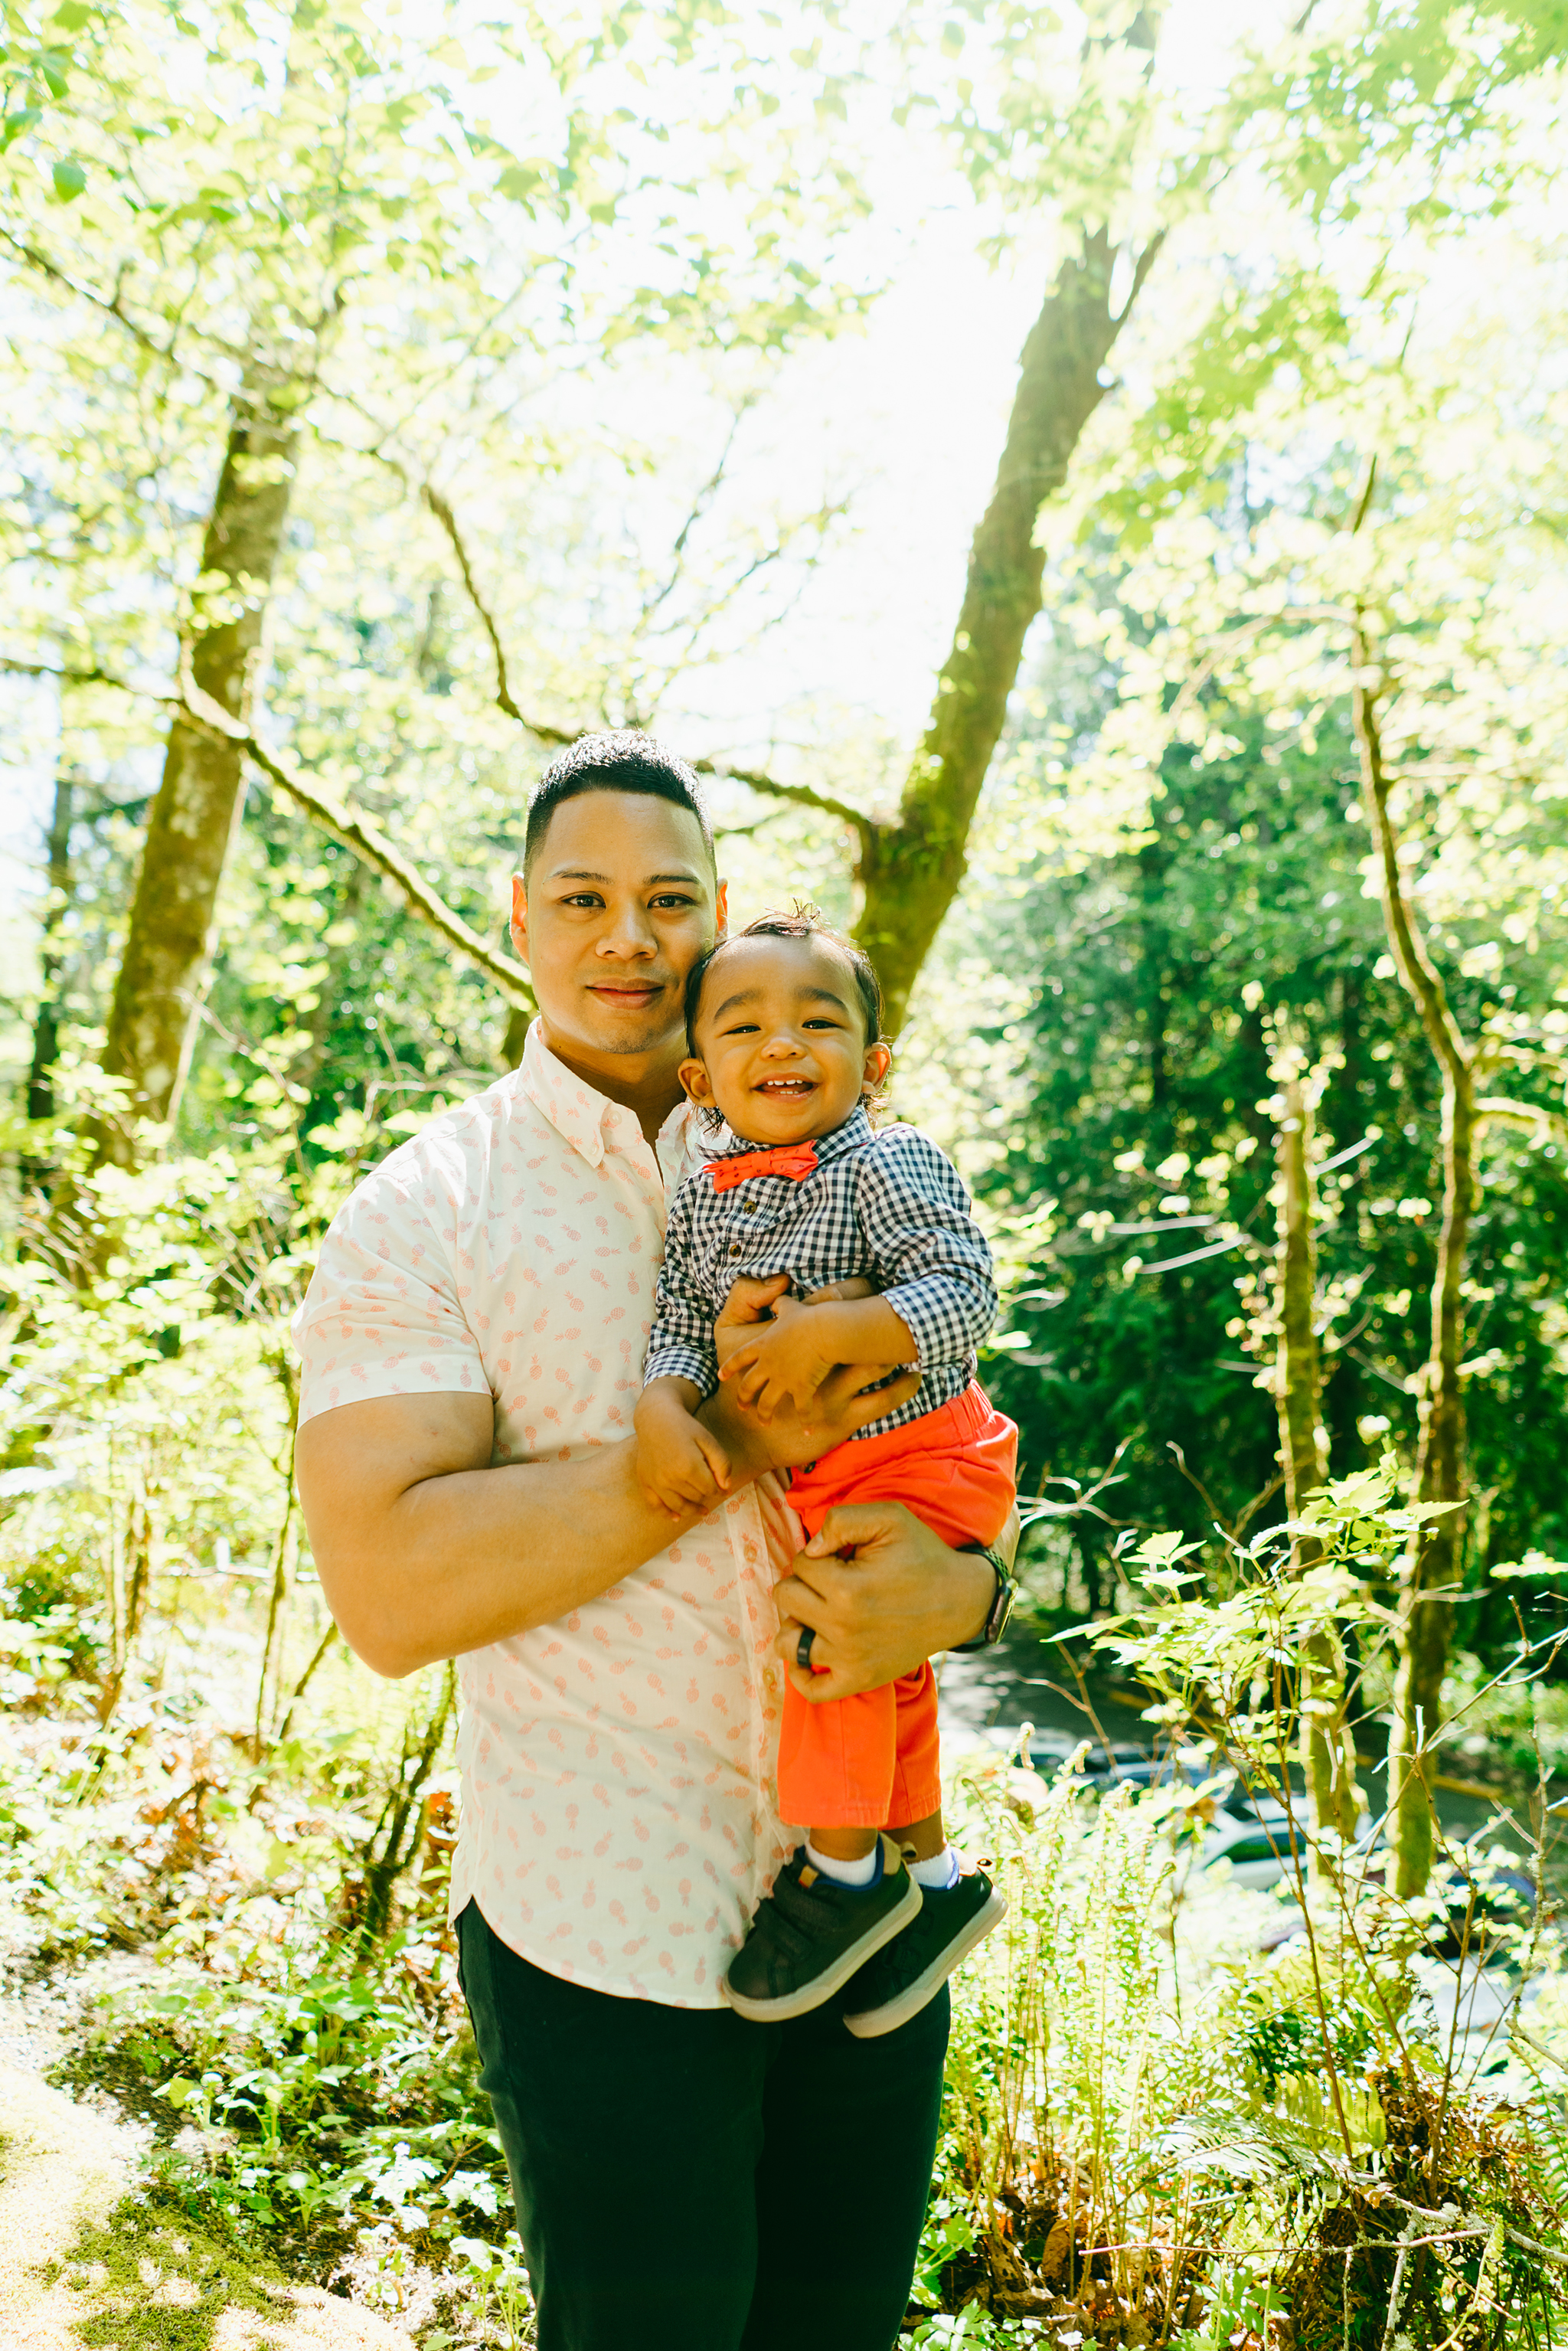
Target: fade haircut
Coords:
[(624, 761), (805, 923)]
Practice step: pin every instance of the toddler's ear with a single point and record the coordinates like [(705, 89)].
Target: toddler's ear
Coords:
[(694, 1076), (878, 1061)]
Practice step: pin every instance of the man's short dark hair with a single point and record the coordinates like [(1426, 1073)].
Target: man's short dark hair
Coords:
[(805, 923), (624, 761)]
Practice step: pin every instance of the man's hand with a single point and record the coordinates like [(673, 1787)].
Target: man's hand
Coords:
[(900, 1597), (847, 1399)]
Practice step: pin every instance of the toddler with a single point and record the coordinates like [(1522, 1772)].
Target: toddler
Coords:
[(784, 1023)]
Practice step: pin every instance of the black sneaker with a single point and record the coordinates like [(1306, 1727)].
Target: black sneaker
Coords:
[(810, 1936), (912, 1970)]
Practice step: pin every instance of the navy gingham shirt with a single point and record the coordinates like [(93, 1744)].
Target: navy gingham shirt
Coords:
[(883, 1204)]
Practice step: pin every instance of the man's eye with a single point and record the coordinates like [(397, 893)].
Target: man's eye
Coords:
[(673, 898), (583, 898)]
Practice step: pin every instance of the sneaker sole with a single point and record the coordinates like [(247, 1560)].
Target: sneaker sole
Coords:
[(822, 1988), (871, 2022)]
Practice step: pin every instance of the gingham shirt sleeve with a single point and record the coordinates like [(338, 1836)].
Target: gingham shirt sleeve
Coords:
[(680, 1345), (932, 1260)]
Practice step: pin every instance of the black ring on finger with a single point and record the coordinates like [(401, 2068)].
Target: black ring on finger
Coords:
[(803, 1647)]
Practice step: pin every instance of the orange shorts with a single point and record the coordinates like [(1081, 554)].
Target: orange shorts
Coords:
[(872, 1760)]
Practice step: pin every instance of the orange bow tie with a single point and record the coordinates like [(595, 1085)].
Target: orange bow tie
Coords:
[(795, 1159)]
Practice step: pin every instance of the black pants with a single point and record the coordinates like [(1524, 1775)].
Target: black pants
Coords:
[(686, 2181)]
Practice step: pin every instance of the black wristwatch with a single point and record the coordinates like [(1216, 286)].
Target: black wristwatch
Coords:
[(1001, 1606)]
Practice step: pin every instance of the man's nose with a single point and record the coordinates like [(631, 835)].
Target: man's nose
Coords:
[(629, 933)]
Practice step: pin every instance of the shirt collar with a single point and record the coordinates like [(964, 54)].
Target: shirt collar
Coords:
[(853, 1135), (587, 1119)]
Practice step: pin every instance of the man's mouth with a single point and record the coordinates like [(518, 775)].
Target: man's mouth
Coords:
[(629, 997)]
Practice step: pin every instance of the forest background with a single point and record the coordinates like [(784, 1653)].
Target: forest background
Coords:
[(1088, 488)]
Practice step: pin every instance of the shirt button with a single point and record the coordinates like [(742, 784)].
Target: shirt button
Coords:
[(735, 1248)]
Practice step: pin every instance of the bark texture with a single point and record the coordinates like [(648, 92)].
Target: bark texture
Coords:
[(167, 963), (910, 870), (1431, 1570)]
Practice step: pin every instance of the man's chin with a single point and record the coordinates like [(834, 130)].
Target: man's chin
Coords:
[(629, 1032)]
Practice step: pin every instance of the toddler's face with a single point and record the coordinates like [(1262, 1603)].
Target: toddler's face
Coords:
[(780, 1038)]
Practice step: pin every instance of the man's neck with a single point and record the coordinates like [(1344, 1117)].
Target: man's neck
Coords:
[(645, 1083)]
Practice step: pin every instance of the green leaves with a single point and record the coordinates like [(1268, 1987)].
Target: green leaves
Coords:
[(70, 180)]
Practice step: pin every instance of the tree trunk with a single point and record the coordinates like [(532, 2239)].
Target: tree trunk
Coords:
[(164, 973), (1328, 1749), (910, 870), (1431, 1569), (47, 1027), (518, 1021), (37, 1174)]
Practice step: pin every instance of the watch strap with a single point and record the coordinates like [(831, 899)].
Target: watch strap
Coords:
[(1002, 1606)]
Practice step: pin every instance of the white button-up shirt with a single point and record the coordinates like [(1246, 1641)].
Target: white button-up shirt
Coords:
[(619, 1821)]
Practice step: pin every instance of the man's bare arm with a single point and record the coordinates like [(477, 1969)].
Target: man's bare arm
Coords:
[(425, 1550)]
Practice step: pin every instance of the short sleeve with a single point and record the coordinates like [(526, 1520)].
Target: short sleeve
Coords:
[(381, 1316)]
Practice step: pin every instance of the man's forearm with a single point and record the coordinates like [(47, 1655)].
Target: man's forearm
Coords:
[(420, 1558), (425, 1550)]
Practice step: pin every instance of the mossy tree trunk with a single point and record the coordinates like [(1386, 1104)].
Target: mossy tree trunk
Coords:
[(167, 963), (46, 1025), (910, 869), (1328, 1749), (1431, 1570)]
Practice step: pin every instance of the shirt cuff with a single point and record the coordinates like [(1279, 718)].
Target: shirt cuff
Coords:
[(678, 1363), (935, 1320)]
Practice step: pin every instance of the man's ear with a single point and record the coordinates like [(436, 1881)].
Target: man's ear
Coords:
[(721, 912), (878, 1061), (692, 1075), (520, 917)]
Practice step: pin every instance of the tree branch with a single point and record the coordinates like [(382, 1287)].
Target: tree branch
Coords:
[(802, 794), (366, 840), (356, 832), (1421, 976), (442, 509), (1141, 268), (1545, 1121)]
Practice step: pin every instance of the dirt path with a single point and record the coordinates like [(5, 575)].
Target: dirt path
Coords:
[(63, 2170)]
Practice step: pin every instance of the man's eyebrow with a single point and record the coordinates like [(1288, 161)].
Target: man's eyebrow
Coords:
[(581, 873)]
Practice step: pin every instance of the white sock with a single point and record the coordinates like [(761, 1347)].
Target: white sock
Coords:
[(940, 1872), (844, 1873)]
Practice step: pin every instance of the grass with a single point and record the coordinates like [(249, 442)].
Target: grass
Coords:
[(158, 2275)]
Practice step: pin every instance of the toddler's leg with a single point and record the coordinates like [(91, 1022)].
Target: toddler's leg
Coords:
[(958, 1904), (846, 1892)]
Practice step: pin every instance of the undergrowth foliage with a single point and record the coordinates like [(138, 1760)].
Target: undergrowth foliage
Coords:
[(1155, 2135), (1179, 2115)]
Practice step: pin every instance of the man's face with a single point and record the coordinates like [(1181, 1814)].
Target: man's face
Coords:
[(620, 904)]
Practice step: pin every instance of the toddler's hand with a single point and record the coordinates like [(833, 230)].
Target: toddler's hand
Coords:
[(783, 1360), (679, 1462)]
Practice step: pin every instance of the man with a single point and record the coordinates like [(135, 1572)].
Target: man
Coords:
[(473, 1345)]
